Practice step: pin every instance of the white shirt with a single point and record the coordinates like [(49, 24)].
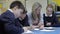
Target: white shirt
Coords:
[(10, 10), (47, 15)]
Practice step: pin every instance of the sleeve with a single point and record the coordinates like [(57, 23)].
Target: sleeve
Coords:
[(41, 19), (55, 19), (57, 24), (10, 26), (29, 18), (12, 29)]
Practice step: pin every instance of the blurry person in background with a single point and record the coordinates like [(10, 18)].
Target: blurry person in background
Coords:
[(8, 25), (49, 17), (23, 19), (35, 16)]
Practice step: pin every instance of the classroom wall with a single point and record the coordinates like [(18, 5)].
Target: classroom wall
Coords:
[(29, 4), (6, 4)]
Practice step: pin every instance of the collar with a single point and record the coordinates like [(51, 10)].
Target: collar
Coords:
[(47, 15), (10, 10)]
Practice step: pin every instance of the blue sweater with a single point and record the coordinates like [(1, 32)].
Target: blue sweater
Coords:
[(8, 24)]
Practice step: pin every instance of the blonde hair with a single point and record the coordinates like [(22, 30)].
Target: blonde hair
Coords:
[(34, 7), (50, 5)]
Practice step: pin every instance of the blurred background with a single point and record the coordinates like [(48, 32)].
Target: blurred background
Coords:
[(4, 5)]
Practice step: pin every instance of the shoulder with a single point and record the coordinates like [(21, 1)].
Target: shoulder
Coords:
[(7, 15)]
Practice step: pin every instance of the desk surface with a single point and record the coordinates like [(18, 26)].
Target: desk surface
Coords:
[(56, 31)]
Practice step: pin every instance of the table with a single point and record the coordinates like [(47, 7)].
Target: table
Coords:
[(56, 31)]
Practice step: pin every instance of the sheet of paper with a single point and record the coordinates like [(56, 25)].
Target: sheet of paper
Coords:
[(47, 30), (36, 29), (28, 31)]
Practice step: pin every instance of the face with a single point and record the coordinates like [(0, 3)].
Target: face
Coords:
[(38, 10), (23, 16), (49, 10), (18, 12)]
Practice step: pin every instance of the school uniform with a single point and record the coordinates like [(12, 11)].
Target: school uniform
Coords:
[(24, 21), (51, 18), (8, 24)]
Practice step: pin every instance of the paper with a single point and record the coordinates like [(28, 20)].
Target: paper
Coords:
[(47, 30), (36, 29), (28, 31), (48, 27)]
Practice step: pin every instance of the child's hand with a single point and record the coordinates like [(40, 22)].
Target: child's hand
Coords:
[(48, 24)]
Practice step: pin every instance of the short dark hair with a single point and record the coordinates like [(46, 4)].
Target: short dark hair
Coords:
[(16, 3)]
